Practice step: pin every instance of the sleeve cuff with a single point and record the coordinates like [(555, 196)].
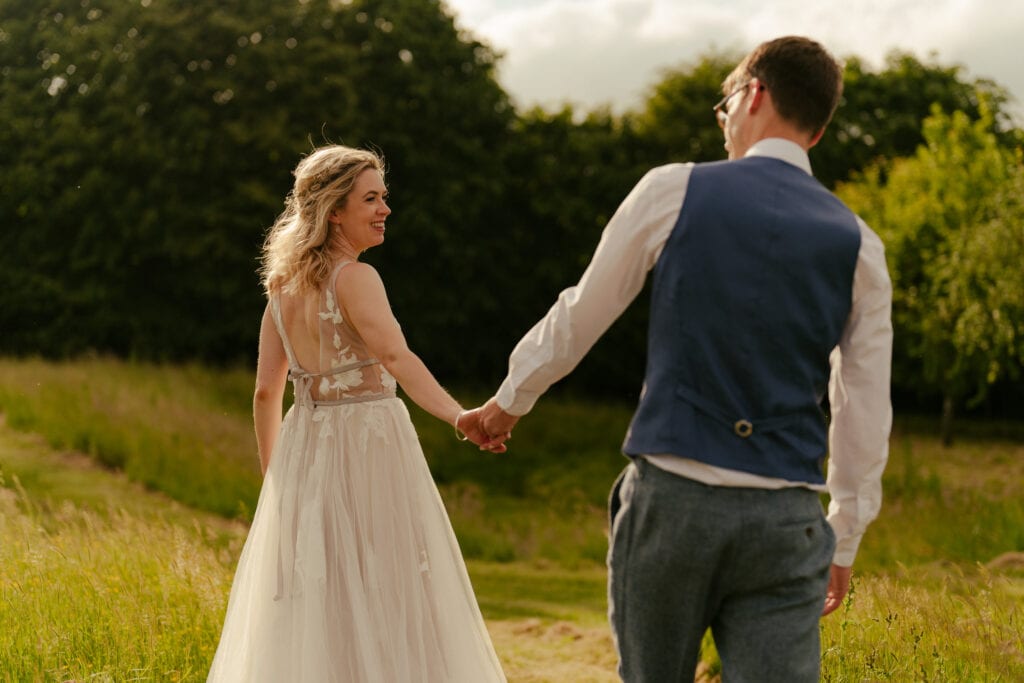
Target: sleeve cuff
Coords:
[(514, 402), (846, 551)]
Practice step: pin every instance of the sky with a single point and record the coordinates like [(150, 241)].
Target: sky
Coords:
[(611, 52)]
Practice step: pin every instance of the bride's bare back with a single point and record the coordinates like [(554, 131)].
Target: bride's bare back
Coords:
[(325, 351)]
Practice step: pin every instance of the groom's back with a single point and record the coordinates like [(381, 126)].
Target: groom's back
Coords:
[(751, 293)]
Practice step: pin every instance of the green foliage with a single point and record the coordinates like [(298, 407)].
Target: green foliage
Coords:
[(129, 219), (926, 624), (572, 172), (429, 96), (148, 147), (881, 112), (961, 503), (187, 432), (677, 121), (952, 223), (151, 142), (84, 596), (879, 115), (102, 580), (987, 284), (176, 430)]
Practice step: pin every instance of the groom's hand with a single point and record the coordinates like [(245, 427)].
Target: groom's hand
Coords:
[(470, 425), (495, 420), (838, 587)]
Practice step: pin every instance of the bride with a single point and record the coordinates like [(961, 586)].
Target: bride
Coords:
[(350, 572)]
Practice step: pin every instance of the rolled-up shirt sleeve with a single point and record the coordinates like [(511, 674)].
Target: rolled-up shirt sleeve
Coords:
[(628, 249), (859, 398)]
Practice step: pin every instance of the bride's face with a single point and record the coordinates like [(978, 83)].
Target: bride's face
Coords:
[(360, 220)]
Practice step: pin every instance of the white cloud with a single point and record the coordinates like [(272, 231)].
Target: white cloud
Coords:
[(592, 52)]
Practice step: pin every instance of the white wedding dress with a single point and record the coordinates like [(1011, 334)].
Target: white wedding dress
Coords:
[(351, 572)]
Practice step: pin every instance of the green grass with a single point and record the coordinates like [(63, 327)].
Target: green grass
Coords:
[(933, 623), (960, 504), (79, 603), (122, 487), (187, 432), (106, 595), (181, 430)]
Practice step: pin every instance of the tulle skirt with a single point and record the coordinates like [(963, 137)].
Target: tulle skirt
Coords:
[(351, 572)]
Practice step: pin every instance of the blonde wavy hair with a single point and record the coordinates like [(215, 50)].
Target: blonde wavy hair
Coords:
[(299, 249)]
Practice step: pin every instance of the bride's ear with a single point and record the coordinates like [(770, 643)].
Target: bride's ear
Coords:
[(334, 217)]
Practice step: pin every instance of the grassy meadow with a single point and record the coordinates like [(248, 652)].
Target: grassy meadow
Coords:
[(125, 490)]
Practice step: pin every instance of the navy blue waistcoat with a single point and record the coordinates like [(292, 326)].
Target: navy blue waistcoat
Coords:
[(750, 296)]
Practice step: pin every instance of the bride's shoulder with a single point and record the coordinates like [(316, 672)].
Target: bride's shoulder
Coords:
[(357, 278), (356, 271)]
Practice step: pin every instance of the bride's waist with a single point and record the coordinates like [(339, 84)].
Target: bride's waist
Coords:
[(349, 399)]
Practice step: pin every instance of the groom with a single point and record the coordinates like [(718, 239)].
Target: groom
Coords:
[(766, 291)]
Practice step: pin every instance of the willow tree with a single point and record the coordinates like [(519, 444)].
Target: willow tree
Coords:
[(952, 220)]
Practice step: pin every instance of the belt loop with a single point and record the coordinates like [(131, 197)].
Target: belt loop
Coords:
[(641, 465)]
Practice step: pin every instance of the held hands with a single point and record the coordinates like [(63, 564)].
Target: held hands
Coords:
[(495, 420), (487, 426), (470, 424)]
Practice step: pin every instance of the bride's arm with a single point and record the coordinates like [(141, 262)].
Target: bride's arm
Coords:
[(364, 302), (271, 377)]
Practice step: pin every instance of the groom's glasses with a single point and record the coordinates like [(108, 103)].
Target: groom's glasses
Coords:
[(722, 108)]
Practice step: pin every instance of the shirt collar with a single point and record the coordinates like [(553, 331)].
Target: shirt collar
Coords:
[(780, 148)]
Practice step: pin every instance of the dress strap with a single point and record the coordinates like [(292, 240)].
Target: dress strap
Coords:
[(275, 311), (333, 279)]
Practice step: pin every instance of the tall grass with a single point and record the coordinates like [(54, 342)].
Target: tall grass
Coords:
[(101, 578), (86, 596), (947, 623), (182, 430), (187, 432), (960, 505)]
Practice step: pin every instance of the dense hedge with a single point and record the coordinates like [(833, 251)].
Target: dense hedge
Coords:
[(147, 146)]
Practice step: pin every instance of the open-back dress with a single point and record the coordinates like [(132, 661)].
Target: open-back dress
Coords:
[(351, 572)]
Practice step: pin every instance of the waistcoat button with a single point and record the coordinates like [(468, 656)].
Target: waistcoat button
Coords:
[(743, 428)]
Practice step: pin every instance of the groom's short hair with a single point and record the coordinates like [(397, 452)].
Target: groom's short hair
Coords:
[(804, 80)]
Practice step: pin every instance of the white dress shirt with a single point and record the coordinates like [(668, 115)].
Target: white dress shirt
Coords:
[(860, 365)]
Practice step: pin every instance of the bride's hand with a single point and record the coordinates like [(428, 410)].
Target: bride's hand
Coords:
[(469, 423)]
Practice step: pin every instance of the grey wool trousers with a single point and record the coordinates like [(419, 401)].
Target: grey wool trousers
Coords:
[(750, 564)]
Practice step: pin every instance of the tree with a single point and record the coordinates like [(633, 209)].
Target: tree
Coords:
[(149, 145), (953, 231), (570, 173), (677, 122), (152, 148), (444, 125), (881, 112), (879, 115)]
